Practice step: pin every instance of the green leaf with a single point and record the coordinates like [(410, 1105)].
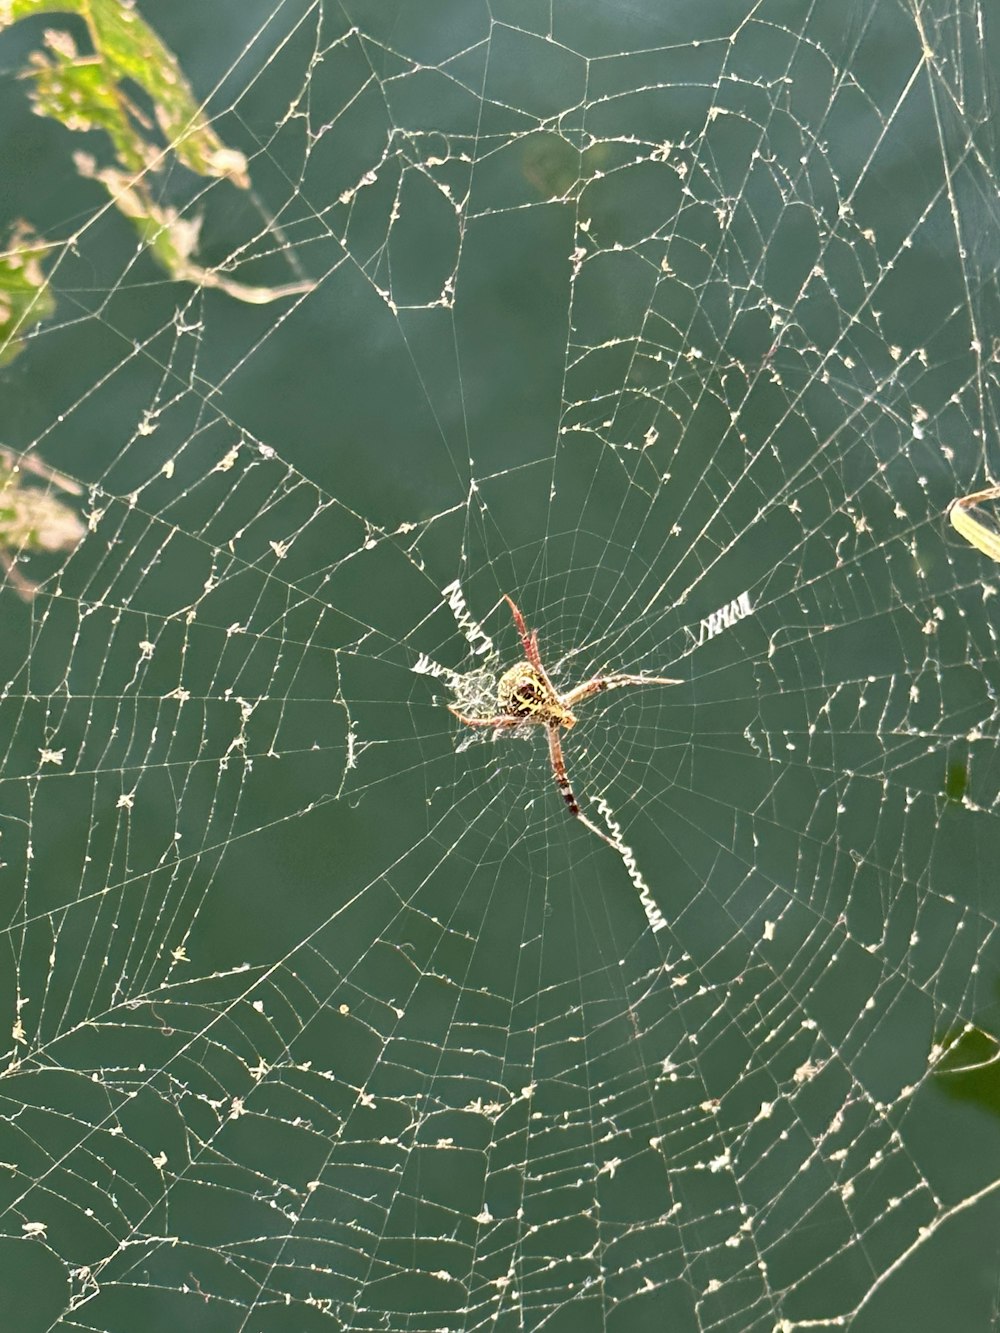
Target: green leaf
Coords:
[(133, 51), (80, 94), (172, 239), (25, 297), (34, 519), (86, 92)]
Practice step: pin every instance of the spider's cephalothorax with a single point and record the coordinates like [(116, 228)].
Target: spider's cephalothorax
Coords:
[(525, 694)]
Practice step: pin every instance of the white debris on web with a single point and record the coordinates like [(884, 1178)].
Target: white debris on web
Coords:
[(653, 320)]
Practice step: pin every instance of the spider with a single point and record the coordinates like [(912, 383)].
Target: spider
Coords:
[(526, 695)]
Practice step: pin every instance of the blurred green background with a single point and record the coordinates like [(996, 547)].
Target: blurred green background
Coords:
[(325, 1015)]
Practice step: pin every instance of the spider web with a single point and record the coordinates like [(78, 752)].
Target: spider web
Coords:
[(677, 326)]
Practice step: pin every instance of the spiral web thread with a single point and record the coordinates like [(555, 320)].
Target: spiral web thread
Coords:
[(321, 1008)]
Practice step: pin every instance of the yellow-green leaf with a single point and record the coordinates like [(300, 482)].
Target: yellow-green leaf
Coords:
[(125, 47), (979, 528), (25, 297)]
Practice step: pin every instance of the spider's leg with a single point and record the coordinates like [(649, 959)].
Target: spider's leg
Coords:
[(566, 791), (529, 641), (559, 769), (598, 683), (503, 720)]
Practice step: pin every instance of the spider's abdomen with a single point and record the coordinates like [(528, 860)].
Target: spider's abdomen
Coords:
[(521, 692)]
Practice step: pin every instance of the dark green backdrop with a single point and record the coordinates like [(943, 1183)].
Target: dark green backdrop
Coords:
[(326, 1020)]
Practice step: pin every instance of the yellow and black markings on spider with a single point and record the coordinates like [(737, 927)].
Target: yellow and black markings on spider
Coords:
[(525, 694), (979, 529)]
